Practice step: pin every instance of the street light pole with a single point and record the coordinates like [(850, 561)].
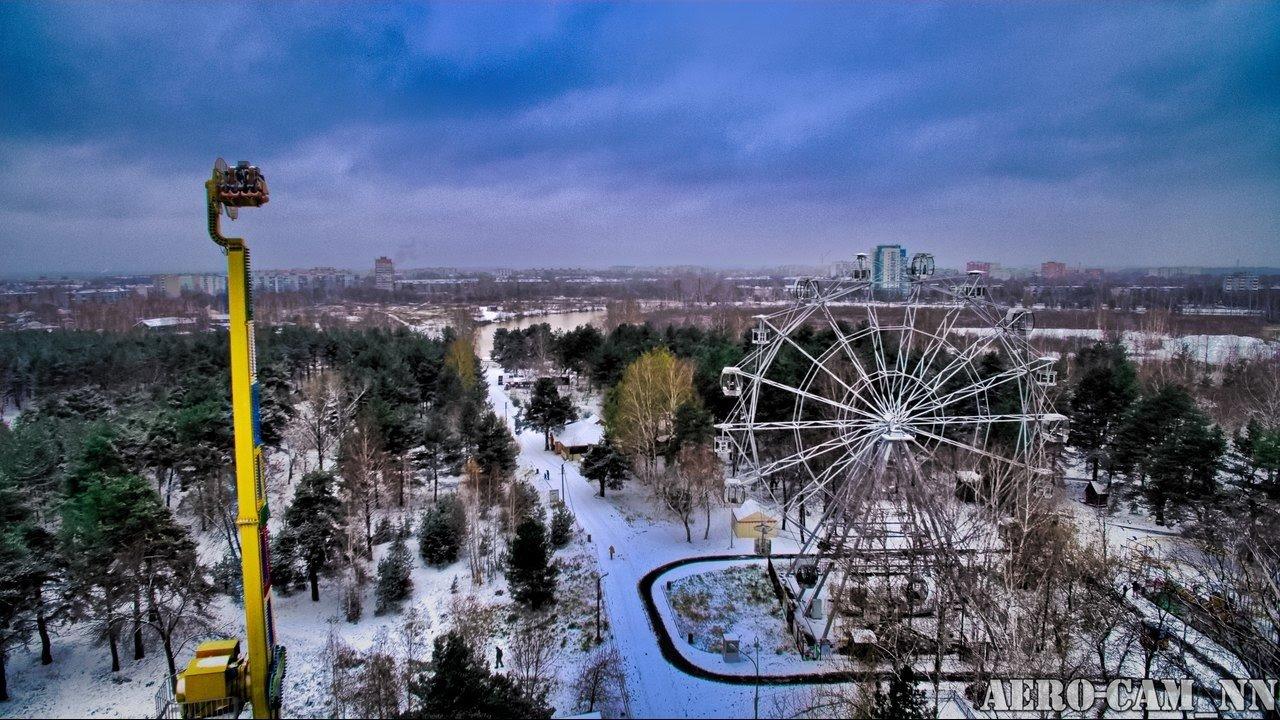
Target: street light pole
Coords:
[(598, 579), (755, 705), (562, 480)]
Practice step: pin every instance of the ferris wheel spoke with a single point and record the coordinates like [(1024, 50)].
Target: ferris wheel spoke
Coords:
[(961, 361), (853, 357), (970, 448), (824, 479), (906, 339), (840, 501), (877, 340), (812, 359), (818, 450), (806, 394), (937, 341), (986, 419), (802, 456), (983, 385), (797, 425)]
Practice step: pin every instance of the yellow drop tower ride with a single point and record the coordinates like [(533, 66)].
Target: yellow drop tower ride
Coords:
[(219, 681)]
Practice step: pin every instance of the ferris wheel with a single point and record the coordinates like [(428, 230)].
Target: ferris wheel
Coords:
[(865, 406)]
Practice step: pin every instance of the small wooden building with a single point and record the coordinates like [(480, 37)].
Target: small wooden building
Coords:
[(753, 521), (1097, 494), (576, 438)]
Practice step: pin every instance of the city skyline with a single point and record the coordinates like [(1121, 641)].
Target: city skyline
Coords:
[(594, 135)]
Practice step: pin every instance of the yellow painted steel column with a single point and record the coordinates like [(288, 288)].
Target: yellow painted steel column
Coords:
[(250, 490)]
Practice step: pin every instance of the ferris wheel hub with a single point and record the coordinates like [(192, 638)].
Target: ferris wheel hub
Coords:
[(896, 433)]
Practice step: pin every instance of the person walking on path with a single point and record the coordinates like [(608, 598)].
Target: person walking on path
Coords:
[(610, 552), (498, 656)]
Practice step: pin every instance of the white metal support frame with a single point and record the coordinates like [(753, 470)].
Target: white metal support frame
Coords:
[(887, 403)]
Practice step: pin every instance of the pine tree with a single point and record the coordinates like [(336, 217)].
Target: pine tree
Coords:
[(441, 532), (1257, 449), (604, 464), (1185, 464), (119, 538), (394, 581), (439, 450), (561, 526), (495, 451), (1105, 390), (521, 499), (548, 409), (383, 532), (530, 572), (313, 528), (692, 426), (462, 686), (1146, 425), (903, 701), (19, 591), (285, 576)]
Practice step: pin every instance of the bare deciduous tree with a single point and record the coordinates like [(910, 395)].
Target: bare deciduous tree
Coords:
[(534, 650), (362, 465), (326, 409), (602, 684), (472, 619)]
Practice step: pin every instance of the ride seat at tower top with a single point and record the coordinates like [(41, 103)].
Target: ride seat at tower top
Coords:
[(242, 186)]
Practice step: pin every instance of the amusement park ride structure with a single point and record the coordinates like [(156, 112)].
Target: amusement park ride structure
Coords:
[(219, 681), (891, 415)]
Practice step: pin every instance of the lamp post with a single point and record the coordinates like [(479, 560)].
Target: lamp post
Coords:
[(562, 480), (598, 579), (755, 662)]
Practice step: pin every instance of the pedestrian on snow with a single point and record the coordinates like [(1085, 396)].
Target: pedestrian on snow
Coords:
[(498, 654), (610, 552)]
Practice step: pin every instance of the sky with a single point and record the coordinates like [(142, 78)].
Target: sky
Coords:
[(503, 135)]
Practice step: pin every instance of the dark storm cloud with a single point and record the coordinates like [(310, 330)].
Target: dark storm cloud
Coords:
[(716, 134)]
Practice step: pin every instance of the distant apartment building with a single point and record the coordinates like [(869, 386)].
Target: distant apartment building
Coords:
[(1174, 272), (1240, 282), (175, 285), (1052, 270), (319, 279), (889, 266), (994, 270), (384, 274)]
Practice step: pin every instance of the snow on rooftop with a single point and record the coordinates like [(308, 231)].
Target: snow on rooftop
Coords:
[(161, 322), (749, 509), (582, 432)]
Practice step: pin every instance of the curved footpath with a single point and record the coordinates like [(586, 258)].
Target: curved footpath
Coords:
[(678, 659)]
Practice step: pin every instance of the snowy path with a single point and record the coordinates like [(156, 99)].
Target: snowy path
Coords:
[(642, 543)]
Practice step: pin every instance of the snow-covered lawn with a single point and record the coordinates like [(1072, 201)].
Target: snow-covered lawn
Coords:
[(1213, 349), (734, 602)]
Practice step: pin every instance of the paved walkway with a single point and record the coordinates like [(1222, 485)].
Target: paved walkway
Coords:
[(656, 688)]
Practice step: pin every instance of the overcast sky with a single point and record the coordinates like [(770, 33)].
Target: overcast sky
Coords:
[(503, 135)]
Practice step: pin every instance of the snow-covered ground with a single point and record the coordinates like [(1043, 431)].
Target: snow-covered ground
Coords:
[(732, 598), (642, 540), (1211, 349), (8, 413)]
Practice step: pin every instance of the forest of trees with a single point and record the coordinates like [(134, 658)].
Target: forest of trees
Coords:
[(118, 466), (1158, 437), (120, 459)]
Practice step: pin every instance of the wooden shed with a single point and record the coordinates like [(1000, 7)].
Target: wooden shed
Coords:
[(750, 519), (577, 438), (1097, 494)]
